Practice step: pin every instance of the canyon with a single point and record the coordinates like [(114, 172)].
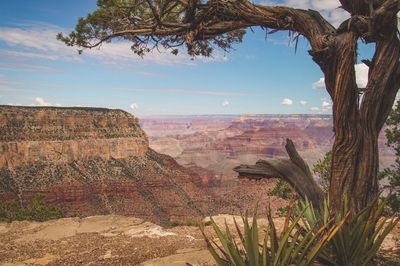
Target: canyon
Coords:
[(133, 189), (90, 161), (218, 143)]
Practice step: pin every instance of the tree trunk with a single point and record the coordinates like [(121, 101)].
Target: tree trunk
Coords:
[(294, 171), (220, 22), (356, 124), (338, 66), (355, 157)]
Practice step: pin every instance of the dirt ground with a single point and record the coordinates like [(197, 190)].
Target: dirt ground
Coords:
[(97, 240), (111, 240)]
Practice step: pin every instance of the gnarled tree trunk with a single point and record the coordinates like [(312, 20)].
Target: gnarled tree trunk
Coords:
[(357, 122), (204, 24), (295, 171)]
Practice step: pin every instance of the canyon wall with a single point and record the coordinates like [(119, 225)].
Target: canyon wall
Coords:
[(219, 143), (91, 161), (214, 144), (60, 135)]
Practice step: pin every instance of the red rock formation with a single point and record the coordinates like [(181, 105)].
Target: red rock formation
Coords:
[(92, 161), (220, 143)]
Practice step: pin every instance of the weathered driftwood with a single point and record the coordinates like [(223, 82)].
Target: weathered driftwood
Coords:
[(295, 171)]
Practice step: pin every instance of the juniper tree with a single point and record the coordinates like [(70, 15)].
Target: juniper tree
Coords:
[(201, 26)]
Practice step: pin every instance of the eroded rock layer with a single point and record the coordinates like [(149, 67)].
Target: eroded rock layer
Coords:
[(91, 161)]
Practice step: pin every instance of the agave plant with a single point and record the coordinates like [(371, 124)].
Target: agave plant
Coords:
[(358, 239), (296, 245)]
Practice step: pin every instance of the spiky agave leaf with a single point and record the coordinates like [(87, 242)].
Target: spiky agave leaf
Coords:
[(292, 247), (358, 239)]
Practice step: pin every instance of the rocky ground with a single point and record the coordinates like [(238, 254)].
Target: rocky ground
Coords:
[(96, 240), (113, 240)]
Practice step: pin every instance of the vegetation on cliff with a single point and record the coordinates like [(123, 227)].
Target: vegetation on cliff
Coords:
[(36, 210), (91, 161)]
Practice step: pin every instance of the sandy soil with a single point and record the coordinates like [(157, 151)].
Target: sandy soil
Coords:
[(97, 240), (113, 240)]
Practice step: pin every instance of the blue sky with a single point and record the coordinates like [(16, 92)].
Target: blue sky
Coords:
[(258, 77)]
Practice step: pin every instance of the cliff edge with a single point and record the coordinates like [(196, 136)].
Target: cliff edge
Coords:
[(90, 161)]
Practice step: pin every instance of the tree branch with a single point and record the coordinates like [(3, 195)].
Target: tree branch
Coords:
[(294, 171), (375, 23), (356, 7), (193, 23)]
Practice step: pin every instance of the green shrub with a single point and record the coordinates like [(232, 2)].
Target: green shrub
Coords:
[(282, 211), (37, 210), (189, 222), (323, 169), (295, 246), (360, 237), (282, 190)]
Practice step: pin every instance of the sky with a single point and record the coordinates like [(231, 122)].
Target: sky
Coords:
[(259, 76)]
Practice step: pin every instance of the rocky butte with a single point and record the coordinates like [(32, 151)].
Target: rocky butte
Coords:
[(91, 161)]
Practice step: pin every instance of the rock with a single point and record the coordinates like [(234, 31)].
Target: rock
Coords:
[(24, 244), (61, 135), (3, 229), (132, 241), (150, 230), (107, 255), (52, 230), (183, 257), (45, 260), (90, 161)]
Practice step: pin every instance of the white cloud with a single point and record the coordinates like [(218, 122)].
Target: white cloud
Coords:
[(134, 106), (225, 103), (398, 24), (326, 104), (328, 8), (302, 102), (40, 43), (17, 66), (35, 43), (361, 75), (287, 101), (27, 55), (35, 38), (42, 102), (115, 53), (188, 91), (320, 84)]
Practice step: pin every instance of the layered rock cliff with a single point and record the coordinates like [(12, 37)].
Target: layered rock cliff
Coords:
[(92, 161)]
